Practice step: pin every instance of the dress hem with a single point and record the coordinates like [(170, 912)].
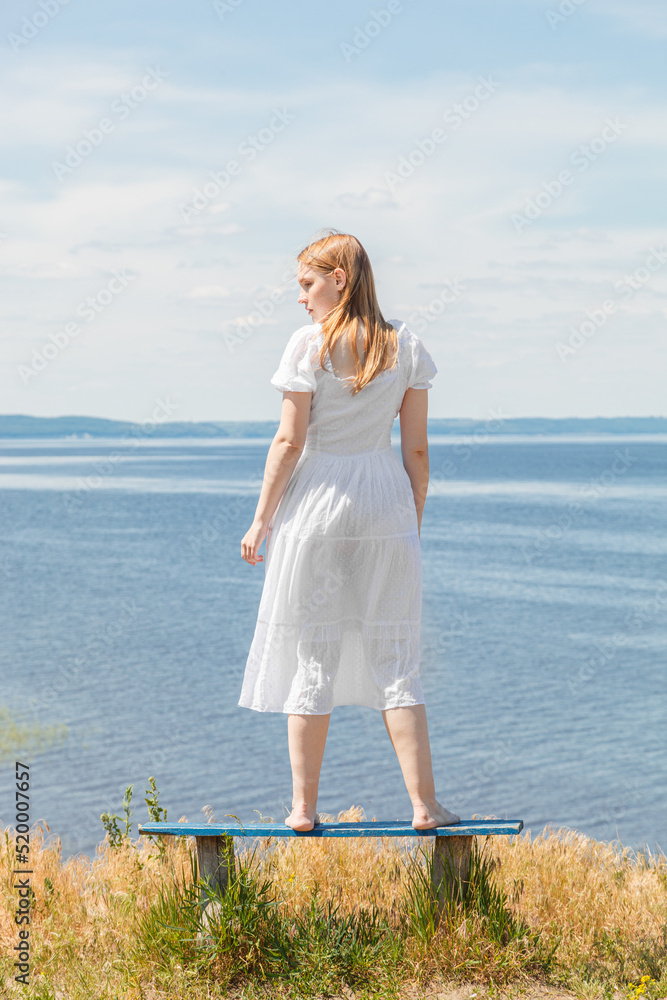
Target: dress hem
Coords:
[(289, 711)]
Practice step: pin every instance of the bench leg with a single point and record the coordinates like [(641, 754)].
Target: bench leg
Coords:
[(451, 863), (215, 862)]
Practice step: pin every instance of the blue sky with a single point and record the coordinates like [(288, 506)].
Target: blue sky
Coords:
[(437, 134)]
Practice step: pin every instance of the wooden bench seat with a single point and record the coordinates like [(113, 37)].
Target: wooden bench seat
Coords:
[(451, 850)]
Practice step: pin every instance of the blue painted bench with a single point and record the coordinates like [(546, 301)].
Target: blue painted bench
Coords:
[(451, 850)]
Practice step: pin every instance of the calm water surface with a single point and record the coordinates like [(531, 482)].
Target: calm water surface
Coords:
[(129, 614)]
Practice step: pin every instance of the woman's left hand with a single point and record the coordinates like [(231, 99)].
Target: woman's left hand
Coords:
[(251, 542)]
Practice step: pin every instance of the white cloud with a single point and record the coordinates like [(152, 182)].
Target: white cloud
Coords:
[(371, 198), (647, 17), (644, 17), (450, 216), (209, 292)]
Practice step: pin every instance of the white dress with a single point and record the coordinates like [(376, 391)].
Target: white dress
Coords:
[(340, 612)]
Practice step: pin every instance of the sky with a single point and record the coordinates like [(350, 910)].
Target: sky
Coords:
[(163, 164)]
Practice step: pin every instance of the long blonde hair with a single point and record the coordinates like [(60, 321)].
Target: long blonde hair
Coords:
[(358, 304)]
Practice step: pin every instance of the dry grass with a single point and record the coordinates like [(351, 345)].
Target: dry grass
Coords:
[(593, 897), (356, 872), (601, 914)]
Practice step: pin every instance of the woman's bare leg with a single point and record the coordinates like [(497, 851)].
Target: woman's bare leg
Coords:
[(307, 735), (408, 732)]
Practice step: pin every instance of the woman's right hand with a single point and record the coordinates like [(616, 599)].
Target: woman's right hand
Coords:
[(251, 542)]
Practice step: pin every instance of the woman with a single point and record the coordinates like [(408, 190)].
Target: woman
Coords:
[(340, 613)]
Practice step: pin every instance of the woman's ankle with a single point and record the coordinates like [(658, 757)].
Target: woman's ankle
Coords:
[(427, 802), (304, 806)]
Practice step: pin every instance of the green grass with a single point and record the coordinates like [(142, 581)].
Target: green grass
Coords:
[(248, 935), (27, 738), (337, 917)]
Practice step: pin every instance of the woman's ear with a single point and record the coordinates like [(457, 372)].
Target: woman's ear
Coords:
[(340, 278)]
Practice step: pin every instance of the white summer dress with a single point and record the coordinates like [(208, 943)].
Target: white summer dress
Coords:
[(340, 613)]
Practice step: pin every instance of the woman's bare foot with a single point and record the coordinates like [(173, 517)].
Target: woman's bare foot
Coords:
[(426, 816), (302, 819)]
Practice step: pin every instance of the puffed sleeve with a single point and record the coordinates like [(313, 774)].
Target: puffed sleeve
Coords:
[(423, 366), (296, 371)]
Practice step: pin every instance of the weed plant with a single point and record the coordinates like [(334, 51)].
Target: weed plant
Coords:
[(306, 917)]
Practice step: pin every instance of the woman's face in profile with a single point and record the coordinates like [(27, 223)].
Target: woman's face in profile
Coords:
[(320, 292)]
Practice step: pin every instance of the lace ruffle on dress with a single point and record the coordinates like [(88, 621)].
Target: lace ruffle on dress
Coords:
[(340, 613)]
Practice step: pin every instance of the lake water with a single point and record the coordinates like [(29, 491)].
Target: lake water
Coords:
[(128, 614)]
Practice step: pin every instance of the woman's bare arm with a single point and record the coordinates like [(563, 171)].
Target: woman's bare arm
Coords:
[(414, 445), (281, 460)]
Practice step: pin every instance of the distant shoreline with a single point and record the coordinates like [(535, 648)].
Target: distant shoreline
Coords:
[(75, 427)]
